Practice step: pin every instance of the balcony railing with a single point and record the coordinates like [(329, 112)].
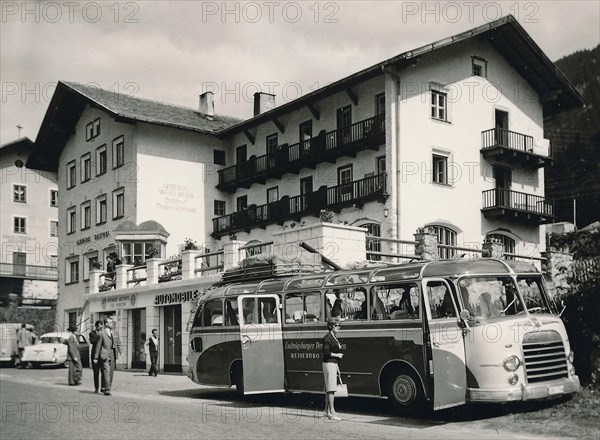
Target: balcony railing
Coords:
[(29, 271), (514, 204), (513, 147), (368, 133), (352, 193)]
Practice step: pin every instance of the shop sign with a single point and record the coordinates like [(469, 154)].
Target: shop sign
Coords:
[(98, 236), (118, 301), (175, 297)]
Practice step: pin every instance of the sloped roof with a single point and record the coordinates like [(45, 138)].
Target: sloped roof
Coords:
[(70, 99)]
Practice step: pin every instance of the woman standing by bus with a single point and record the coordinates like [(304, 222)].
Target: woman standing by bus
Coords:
[(331, 358)]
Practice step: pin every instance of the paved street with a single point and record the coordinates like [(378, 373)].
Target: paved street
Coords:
[(39, 404)]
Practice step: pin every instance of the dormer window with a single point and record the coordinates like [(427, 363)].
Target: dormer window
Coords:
[(478, 67)]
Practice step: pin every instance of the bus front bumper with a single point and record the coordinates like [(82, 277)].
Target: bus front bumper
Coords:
[(525, 392)]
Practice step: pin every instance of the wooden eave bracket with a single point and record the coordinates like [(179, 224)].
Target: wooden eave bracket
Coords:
[(314, 111), (249, 136), (353, 96), (279, 125)]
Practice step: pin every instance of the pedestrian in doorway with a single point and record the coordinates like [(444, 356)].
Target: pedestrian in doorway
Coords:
[(153, 349), (74, 357), (24, 339), (331, 358), (106, 355), (94, 340)]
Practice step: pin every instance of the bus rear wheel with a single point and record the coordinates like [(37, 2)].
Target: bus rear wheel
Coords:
[(405, 392)]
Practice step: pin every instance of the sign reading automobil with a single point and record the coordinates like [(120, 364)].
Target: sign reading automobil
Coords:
[(175, 297)]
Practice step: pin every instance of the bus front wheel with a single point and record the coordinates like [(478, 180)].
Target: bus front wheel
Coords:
[(405, 392), (238, 379)]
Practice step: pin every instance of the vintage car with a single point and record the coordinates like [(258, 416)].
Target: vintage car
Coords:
[(52, 349)]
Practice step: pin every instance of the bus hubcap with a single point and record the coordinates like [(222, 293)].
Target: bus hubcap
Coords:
[(404, 390)]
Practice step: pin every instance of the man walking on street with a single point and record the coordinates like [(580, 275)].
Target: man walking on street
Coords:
[(106, 354), (25, 339), (153, 349), (74, 357), (94, 339)]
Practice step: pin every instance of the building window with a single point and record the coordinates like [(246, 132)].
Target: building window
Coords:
[(273, 194), (90, 263), (241, 154), (242, 203), (71, 221), (440, 169), (373, 245), (101, 160), (345, 183), (86, 167), (439, 105), (272, 141), (381, 164), (92, 130), (20, 193), (137, 252), (118, 203), (219, 208), (380, 104), (447, 237), (72, 269), (101, 210), (479, 67), (20, 225), (86, 215), (53, 228), (508, 244), (118, 152), (219, 157), (53, 197), (71, 174)]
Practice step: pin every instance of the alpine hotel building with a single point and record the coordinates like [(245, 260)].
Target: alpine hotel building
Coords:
[(448, 136)]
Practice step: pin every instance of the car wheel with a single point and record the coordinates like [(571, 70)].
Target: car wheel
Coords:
[(66, 364), (36, 365)]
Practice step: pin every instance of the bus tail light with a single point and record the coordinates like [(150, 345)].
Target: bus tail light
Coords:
[(511, 363), (513, 379)]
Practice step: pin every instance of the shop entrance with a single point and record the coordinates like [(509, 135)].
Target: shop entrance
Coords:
[(172, 338), (138, 321)]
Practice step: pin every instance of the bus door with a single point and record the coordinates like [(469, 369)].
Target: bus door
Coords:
[(262, 343), (448, 350)]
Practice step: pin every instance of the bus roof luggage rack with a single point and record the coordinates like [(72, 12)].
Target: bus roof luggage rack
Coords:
[(264, 266)]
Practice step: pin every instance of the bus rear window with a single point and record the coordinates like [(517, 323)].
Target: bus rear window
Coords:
[(490, 297)]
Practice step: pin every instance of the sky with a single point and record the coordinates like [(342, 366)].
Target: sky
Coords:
[(174, 51)]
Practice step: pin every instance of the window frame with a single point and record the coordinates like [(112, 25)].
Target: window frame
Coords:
[(379, 104), (86, 215), (53, 226), (479, 62), (71, 220), (22, 196), (92, 130), (72, 270), (19, 224), (118, 203), (219, 157), (439, 176), (101, 200), (118, 152), (219, 208), (86, 167), (436, 107), (71, 174), (54, 198), (446, 236), (101, 160)]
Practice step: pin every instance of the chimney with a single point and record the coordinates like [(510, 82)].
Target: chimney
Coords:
[(263, 102), (207, 104)]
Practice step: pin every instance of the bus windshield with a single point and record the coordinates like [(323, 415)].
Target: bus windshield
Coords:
[(490, 297), (533, 293)]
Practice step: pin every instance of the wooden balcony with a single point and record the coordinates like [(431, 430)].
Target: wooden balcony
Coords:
[(354, 193), (512, 148), (514, 205), (48, 273), (327, 146)]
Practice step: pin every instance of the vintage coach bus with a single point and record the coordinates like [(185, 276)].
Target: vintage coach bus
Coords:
[(428, 333)]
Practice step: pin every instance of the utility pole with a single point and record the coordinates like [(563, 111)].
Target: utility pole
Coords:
[(575, 212)]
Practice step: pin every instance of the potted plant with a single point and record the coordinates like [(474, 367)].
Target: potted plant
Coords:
[(189, 244), (96, 265), (325, 215)]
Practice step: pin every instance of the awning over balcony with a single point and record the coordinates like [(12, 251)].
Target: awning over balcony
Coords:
[(507, 204)]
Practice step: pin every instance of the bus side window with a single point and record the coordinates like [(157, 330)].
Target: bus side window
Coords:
[(213, 313), (268, 312), (231, 312), (440, 301), (301, 308), (293, 308), (249, 311), (401, 301), (354, 303)]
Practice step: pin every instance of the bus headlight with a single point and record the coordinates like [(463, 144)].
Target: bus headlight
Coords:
[(513, 379), (511, 363), (571, 356)]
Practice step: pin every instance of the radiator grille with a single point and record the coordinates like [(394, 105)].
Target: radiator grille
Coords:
[(545, 357)]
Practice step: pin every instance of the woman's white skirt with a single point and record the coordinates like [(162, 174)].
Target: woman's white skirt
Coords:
[(330, 370)]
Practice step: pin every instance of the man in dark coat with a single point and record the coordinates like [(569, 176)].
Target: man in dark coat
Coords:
[(105, 354), (74, 358), (94, 339), (153, 349)]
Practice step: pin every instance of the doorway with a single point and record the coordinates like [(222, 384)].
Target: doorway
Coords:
[(138, 321), (172, 338)]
